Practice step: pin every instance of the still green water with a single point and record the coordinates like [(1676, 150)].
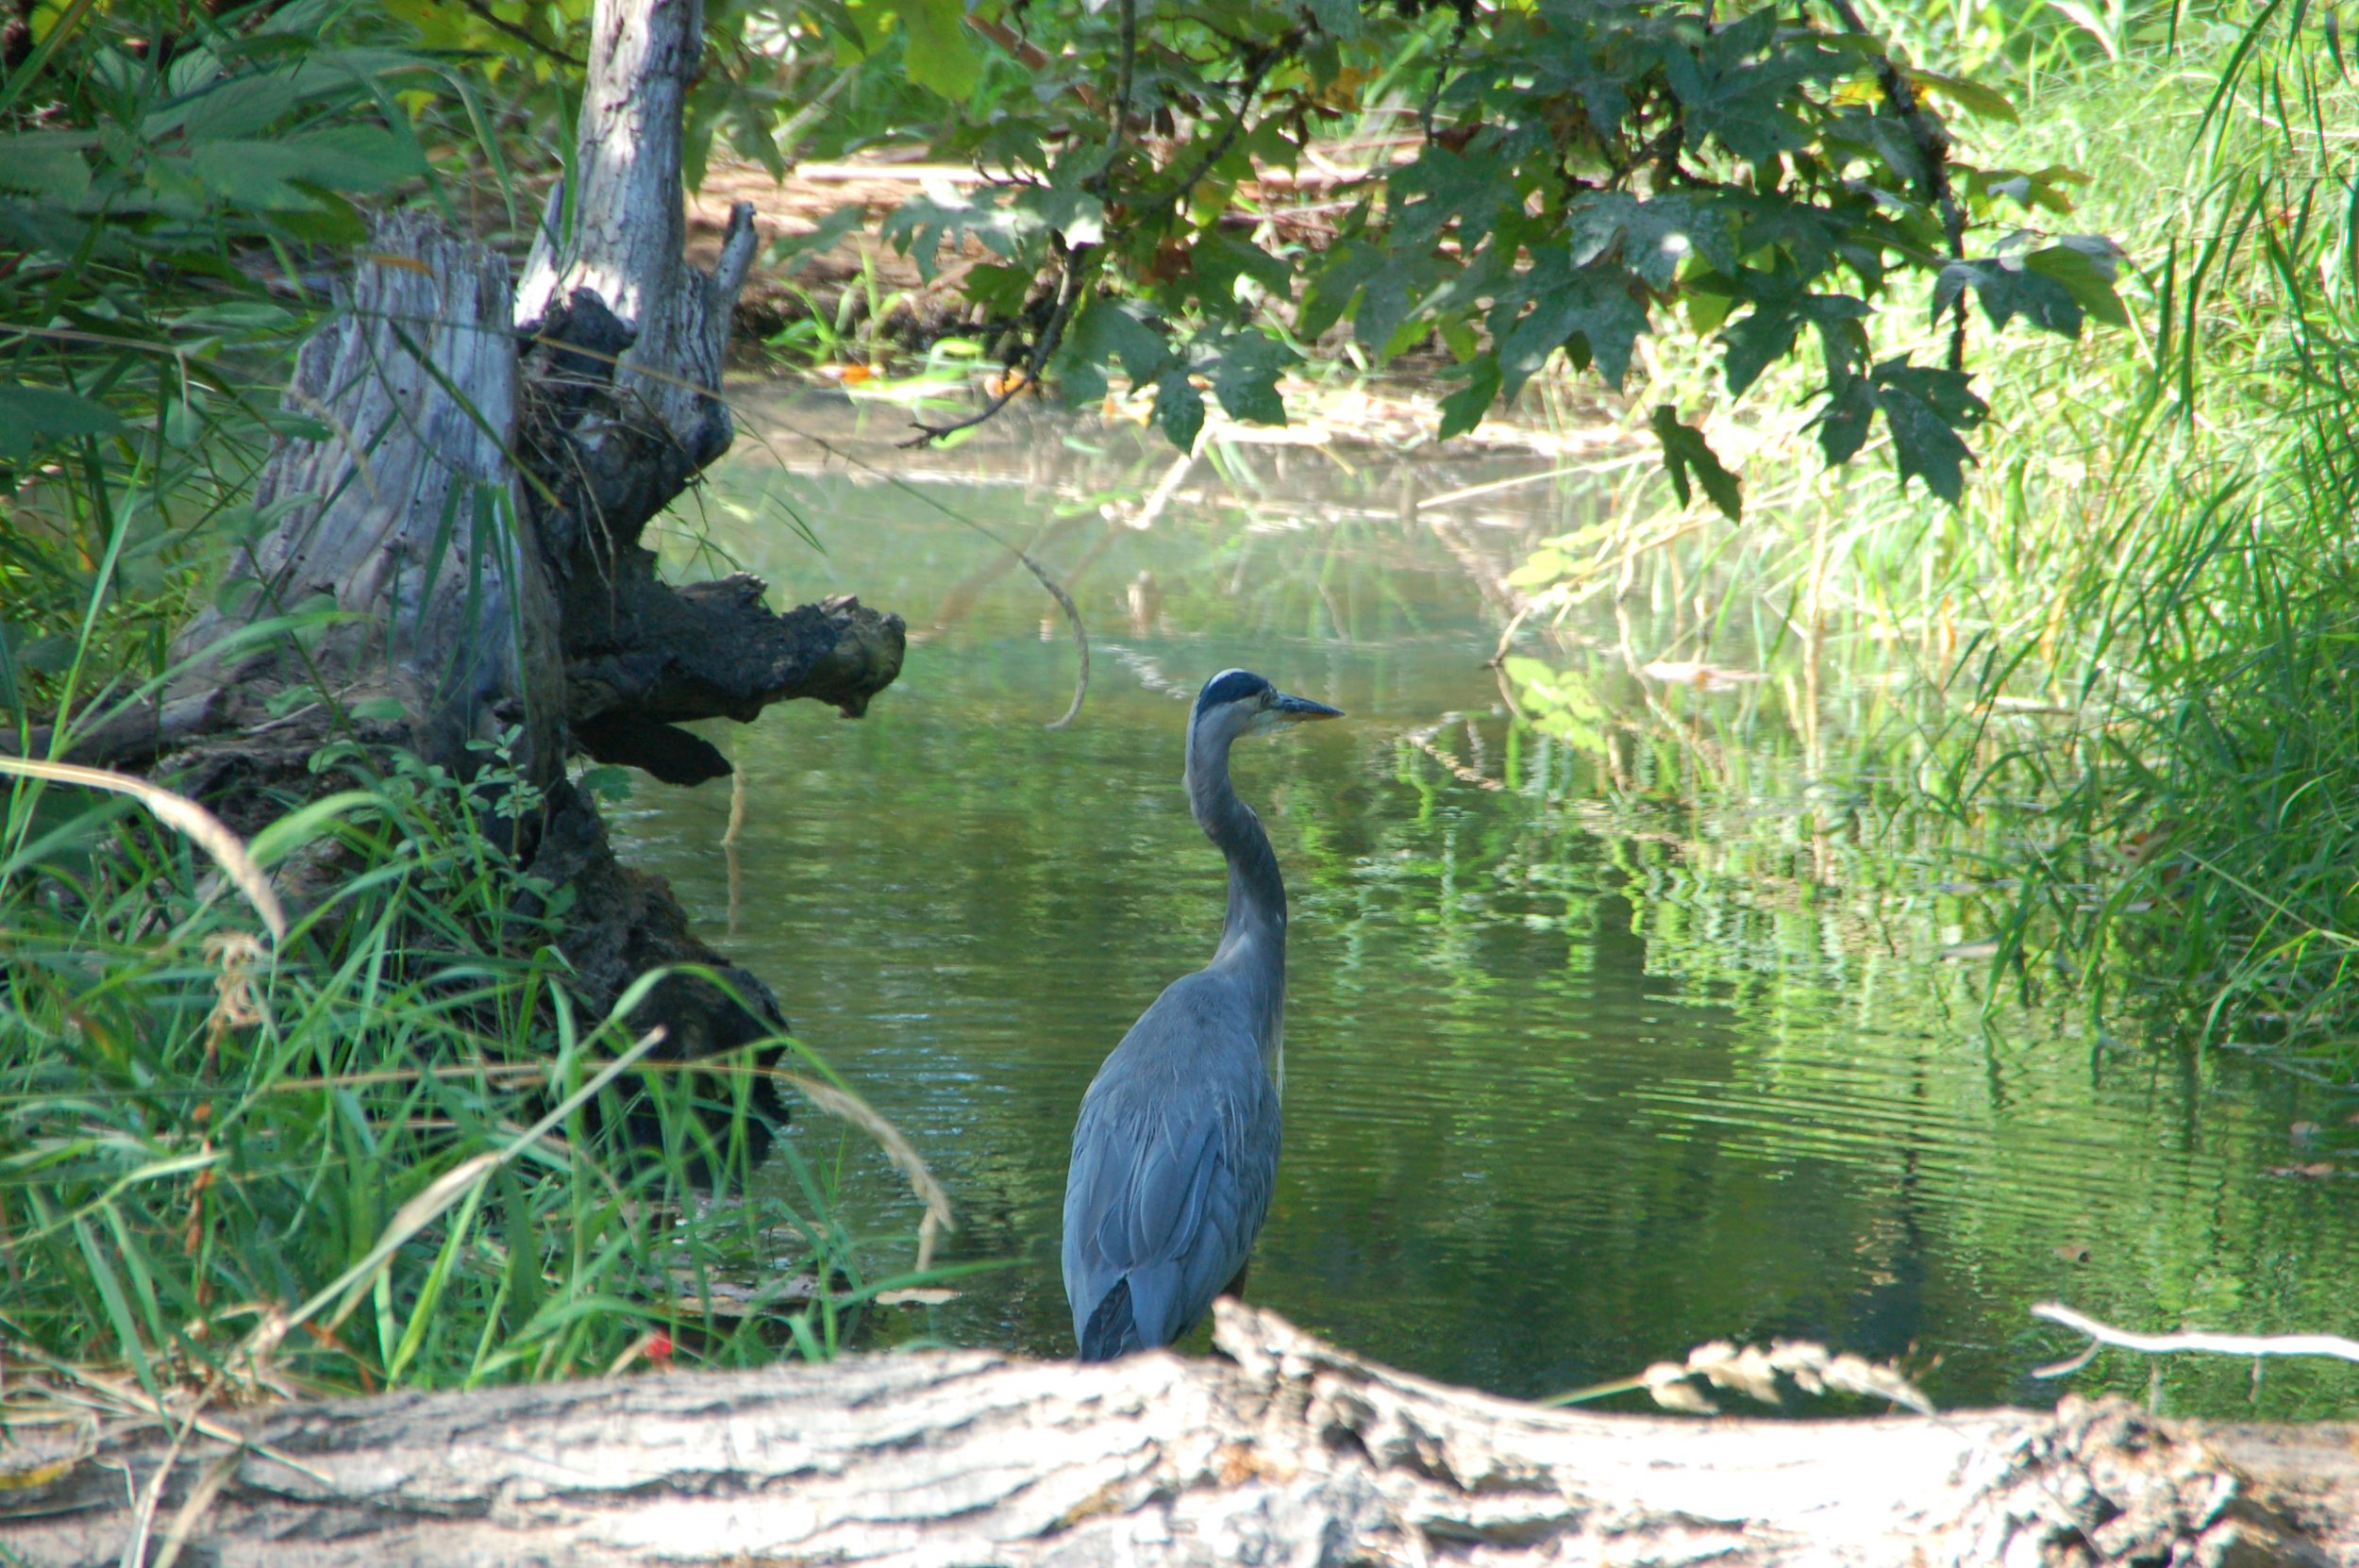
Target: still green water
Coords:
[(1620, 1041)]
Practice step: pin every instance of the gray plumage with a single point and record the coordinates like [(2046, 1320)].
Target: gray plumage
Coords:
[(1175, 1150)]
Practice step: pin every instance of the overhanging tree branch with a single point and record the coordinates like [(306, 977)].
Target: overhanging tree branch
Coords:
[(1933, 146)]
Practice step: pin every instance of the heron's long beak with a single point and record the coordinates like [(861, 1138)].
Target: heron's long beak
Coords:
[(1294, 710)]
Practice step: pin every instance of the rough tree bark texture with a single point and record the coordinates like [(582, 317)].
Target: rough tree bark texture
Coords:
[(1287, 1452), (471, 513)]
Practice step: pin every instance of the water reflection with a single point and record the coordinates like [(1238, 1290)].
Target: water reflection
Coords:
[(1602, 1042)]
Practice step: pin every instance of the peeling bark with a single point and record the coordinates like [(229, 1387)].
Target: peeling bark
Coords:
[(1285, 1452)]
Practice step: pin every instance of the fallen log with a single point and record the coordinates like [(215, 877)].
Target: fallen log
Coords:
[(1282, 1450)]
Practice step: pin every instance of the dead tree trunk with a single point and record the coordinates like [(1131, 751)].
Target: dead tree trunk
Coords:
[(1287, 1452), (462, 535)]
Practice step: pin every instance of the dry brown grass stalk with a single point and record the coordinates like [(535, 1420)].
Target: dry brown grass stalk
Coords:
[(847, 1107), (206, 830)]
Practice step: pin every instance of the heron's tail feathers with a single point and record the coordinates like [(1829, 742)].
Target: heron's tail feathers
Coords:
[(1110, 1331)]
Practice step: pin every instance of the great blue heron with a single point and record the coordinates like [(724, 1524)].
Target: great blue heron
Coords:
[(1177, 1146)]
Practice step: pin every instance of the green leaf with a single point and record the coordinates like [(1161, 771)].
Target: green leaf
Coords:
[(1590, 310), (1000, 291), (1973, 97), (1220, 260), (919, 227), (1655, 235), (1758, 341), (1750, 103), (1685, 452), (1843, 422), (236, 318), (49, 166), (793, 250), (228, 109), (2029, 190), (1108, 332), (1443, 188), (1766, 336), (1322, 61), (1925, 408), (361, 158), (1338, 18), (2008, 287), (1244, 376), (30, 415), (939, 55), (1463, 409), (1179, 408), (1349, 267), (1068, 203), (1390, 300), (608, 782), (1104, 335), (257, 175), (1804, 233), (2085, 266)]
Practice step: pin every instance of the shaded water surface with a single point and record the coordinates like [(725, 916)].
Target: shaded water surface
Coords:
[(1601, 1044)]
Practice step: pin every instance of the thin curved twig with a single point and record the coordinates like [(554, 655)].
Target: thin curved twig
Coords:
[(1069, 293), (2203, 1344), (1080, 638), (1056, 590), (524, 35)]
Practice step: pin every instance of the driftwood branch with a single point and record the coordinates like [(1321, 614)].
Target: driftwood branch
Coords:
[(2196, 1342), (1286, 1451)]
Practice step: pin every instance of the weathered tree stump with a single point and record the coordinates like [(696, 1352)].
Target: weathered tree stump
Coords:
[(1284, 1452), (454, 566)]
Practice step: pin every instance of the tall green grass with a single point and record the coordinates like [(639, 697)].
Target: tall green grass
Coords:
[(2135, 636), (388, 1150), (388, 1147), (2196, 852)]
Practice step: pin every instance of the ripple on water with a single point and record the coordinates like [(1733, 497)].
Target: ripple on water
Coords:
[(1568, 1090)]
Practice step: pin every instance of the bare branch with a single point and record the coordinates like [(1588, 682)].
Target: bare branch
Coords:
[(1069, 288), (524, 35), (2196, 1340)]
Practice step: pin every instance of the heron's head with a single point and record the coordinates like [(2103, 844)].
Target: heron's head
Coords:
[(1238, 702)]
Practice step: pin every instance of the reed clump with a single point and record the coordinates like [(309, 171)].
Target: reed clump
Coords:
[(2134, 638), (383, 1149)]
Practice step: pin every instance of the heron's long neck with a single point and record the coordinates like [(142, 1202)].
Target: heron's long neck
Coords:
[(1253, 939)]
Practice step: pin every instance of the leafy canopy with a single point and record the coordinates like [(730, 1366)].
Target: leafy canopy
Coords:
[(1564, 175), (1192, 197)]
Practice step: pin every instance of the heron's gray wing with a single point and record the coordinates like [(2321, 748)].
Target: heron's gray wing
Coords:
[(1173, 1164)]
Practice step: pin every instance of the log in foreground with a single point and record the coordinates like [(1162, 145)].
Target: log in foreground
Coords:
[(1287, 1451)]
